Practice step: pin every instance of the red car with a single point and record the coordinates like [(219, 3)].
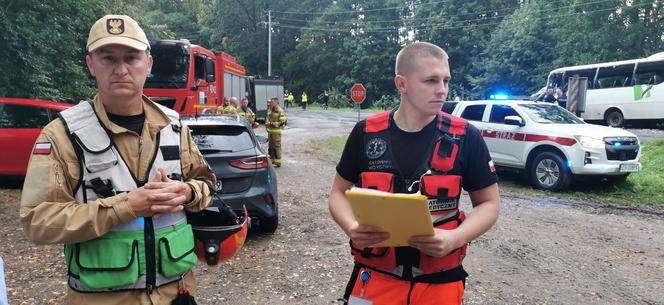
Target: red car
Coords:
[(21, 121)]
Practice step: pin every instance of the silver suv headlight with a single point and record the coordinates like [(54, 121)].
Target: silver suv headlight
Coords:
[(589, 142)]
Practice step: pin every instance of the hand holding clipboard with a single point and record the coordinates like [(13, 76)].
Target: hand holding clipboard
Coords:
[(401, 215)]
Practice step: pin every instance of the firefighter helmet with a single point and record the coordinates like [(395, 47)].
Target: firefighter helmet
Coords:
[(219, 233)]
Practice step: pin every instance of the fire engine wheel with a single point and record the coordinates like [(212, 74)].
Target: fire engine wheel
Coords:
[(548, 172), (614, 118)]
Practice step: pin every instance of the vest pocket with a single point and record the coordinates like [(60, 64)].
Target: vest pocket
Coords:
[(381, 258), (430, 264), (176, 250), (443, 192), (107, 262), (378, 181), (444, 155)]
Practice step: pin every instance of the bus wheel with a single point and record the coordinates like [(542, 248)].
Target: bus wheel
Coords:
[(549, 172), (614, 118)]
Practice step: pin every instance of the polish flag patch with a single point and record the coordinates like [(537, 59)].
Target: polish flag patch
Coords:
[(43, 148), (492, 167)]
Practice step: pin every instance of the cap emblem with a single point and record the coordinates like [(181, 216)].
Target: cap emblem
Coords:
[(115, 26)]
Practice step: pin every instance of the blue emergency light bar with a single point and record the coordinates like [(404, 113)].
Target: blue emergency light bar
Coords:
[(499, 96)]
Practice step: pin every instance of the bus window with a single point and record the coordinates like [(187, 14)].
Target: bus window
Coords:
[(649, 73), (613, 76), (556, 80), (588, 73)]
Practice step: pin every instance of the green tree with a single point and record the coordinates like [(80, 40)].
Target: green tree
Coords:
[(240, 28), (43, 48), (351, 42), (517, 57), (591, 32), (462, 28)]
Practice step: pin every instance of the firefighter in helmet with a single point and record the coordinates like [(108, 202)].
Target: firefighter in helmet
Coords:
[(275, 123)]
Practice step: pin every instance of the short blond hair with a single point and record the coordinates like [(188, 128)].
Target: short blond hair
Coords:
[(406, 58)]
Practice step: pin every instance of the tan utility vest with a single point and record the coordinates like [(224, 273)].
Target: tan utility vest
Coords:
[(104, 173)]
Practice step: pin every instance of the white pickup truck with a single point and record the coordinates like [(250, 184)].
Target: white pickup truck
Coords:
[(551, 144)]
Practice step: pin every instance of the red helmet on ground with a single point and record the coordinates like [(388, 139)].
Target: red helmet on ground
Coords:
[(219, 233)]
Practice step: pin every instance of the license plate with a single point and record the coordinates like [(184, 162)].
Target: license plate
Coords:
[(629, 168)]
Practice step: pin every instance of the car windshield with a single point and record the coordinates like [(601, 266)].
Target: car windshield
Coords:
[(170, 68), (549, 114), (216, 139)]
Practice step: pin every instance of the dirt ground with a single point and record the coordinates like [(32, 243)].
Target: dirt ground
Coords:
[(542, 251)]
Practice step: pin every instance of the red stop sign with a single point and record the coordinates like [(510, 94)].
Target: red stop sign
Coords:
[(358, 93)]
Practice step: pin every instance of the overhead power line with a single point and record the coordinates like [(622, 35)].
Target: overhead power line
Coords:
[(438, 17), (442, 26), (397, 20), (355, 11)]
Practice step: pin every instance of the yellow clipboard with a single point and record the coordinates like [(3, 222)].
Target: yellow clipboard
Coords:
[(402, 215)]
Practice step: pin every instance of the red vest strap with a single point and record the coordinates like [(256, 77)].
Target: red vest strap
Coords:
[(451, 124), (377, 122)]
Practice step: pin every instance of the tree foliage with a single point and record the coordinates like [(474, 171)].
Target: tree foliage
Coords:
[(318, 45)]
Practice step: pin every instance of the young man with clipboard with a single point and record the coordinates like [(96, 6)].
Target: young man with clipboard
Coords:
[(416, 148)]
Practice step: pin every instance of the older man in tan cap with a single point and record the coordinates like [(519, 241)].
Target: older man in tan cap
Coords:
[(111, 181)]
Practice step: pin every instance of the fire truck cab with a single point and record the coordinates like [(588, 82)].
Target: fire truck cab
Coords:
[(191, 79)]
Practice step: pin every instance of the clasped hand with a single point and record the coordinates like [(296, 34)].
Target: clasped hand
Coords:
[(159, 196)]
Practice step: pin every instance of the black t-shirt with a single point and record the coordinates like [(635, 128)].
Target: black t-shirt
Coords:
[(131, 122), (412, 150)]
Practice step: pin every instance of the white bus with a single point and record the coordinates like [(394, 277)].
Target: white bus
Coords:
[(619, 91)]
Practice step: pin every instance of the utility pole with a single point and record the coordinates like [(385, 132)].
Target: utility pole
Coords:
[(269, 43)]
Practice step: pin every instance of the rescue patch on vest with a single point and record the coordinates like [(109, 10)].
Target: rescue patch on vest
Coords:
[(436, 205), (376, 148), (42, 148), (170, 152)]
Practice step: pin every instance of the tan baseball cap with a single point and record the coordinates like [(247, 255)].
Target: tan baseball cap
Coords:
[(117, 29)]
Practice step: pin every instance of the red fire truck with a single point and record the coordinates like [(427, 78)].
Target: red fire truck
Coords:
[(191, 79)]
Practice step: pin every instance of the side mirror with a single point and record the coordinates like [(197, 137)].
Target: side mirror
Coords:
[(209, 70), (514, 120), (261, 139)]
